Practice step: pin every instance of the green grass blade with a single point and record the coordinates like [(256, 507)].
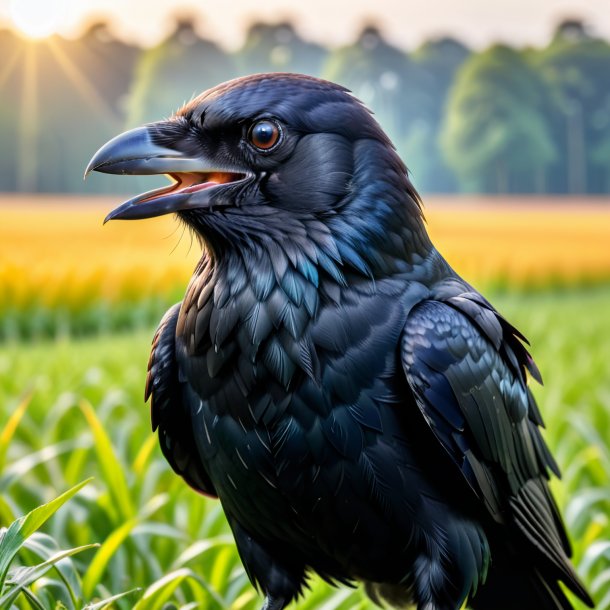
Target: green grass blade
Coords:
[(20, 578), (6, 511), (109, 601), (11, 426), (110, 546), (244, 599), (601, 581), (19, 468), (34, 602), (161, 591), (44, 547), (36, 518), (22, 528), (593, 554), (580, 509), (96, 568), (112, 470), (198, 548), (144, 455)]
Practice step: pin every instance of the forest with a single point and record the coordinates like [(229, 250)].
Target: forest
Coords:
[(498, 120)]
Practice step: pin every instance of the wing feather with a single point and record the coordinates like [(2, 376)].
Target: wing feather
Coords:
[(170, 411), (466, 367)]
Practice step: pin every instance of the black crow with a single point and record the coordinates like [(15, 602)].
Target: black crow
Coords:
[(358, 408)]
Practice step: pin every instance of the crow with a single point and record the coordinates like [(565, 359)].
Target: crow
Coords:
[(359, 409)]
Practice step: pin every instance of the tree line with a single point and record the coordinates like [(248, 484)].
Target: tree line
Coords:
[(501, 120)]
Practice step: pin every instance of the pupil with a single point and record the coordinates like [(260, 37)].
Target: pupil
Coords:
[(264, 133)]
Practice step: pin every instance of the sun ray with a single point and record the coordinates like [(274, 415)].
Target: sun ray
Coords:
[(83, 85), (28, 124), (9, 66)]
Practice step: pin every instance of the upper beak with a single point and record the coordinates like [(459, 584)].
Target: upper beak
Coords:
[(149, 150)]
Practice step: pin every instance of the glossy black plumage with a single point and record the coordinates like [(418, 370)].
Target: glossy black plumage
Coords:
[(358, 408)]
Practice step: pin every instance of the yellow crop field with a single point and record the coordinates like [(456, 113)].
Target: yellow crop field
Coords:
[(523, 242), (55, 251)]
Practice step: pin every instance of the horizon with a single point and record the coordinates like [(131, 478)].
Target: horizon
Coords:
[(474, 23)]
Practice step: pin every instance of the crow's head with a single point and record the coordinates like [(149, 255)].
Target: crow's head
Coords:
[(258, 157)]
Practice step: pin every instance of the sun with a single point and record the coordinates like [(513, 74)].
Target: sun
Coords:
[(37, 18)]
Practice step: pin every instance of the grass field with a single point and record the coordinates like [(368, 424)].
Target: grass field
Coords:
[(153, 527), (72, 407)]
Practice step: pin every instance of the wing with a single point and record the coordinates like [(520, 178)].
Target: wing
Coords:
[(466, 367), (169, 412)]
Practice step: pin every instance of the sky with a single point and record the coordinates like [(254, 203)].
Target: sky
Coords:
[(333, 22)]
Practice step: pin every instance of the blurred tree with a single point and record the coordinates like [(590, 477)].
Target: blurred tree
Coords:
[(501, 120), (383, 77), (496, 136), (278, 48), (171, 73), (600, 159), (108, 61), (83, 89), (577, 68), (438, 61)]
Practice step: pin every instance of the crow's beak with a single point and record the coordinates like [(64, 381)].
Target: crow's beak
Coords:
[(150, 150)]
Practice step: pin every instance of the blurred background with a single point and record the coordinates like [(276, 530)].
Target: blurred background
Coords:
[(502, 113), (532, 111)]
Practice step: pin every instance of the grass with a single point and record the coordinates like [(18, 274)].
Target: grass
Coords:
[(73, 408), (61, 273)]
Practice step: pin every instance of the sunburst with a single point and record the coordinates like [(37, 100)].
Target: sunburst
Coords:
[(27, 61), (37, 18)]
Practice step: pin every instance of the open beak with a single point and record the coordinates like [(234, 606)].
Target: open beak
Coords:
[(149, 150)]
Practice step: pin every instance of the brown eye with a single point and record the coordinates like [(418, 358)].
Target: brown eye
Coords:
[(264, 134)]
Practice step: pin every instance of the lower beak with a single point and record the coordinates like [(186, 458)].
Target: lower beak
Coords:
[(149, 150)]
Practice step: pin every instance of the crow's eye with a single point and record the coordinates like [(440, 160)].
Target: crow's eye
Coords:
[(264, 134)]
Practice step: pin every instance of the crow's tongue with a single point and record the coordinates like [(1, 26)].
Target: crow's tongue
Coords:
[(189, 183), (197, 187)]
